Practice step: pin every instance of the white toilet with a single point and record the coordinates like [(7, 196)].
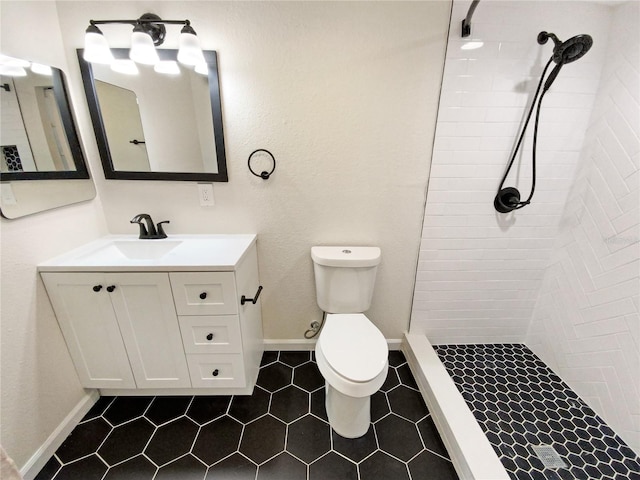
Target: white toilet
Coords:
[(352, 354)]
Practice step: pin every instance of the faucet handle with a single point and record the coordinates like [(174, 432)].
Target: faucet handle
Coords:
[(161, 233)]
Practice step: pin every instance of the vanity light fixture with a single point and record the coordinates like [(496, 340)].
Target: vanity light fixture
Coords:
[(148, 33)]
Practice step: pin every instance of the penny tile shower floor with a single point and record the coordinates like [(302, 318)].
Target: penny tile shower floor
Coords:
[(280, 432)]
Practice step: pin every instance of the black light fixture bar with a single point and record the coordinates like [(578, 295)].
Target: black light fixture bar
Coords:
[(140, 20), (150, 23)]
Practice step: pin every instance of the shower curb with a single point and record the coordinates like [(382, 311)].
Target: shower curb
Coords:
[(472, 455)]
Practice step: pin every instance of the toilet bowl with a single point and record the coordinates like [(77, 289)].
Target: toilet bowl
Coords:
[(352, 356)]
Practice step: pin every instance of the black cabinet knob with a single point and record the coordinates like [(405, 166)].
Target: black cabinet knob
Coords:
[(210, 337), (215, 372), (97, 288), (203, 295), (111, 288)]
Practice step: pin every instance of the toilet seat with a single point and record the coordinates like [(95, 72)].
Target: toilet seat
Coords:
[(353, 346), (352, 354)]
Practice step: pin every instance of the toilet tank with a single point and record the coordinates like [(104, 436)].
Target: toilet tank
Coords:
[(345, 277)]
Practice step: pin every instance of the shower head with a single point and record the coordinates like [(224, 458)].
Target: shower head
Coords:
[(568, 51)]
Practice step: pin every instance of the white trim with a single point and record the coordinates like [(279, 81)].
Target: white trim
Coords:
[(300, 344), (59, 434), (471, 453), (154, 392)]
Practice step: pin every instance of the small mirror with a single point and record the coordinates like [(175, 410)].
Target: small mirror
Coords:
[(156, 125), (38, 139), (39, 144)]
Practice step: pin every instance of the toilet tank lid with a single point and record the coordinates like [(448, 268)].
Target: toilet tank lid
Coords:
[(344, 256)]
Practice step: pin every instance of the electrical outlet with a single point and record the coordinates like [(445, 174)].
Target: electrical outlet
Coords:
[(205, 194)]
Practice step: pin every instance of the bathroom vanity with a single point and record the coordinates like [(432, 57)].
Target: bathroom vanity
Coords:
[(177, 316)]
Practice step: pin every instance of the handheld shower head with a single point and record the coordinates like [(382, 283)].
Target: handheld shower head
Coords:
[(568, 51), (508, 199), (564, 52)]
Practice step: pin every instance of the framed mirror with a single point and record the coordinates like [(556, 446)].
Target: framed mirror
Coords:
[(156, 126), (38, 138), (42, 165)]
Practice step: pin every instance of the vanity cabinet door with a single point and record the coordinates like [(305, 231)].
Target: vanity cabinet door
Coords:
[(90, 328), (146, 314)]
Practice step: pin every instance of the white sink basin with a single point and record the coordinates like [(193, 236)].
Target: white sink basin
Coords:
[(176, 253), (145, 249)]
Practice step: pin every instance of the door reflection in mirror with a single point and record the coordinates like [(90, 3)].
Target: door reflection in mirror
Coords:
[(173, 110), (122, 123)]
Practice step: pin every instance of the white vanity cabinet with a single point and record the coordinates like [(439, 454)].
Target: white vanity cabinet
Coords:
[(119, 327), (178, 328)]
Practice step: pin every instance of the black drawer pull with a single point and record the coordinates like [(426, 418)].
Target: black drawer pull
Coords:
[(203, 295), (111, 288), (97, 288), (253, 300), (215, 372), (210, 337)]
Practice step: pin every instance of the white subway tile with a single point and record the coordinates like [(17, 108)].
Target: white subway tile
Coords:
[(620, 291), (623, 132), (627, 220)]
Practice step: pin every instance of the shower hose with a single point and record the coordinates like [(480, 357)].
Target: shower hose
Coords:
[(518, 204)]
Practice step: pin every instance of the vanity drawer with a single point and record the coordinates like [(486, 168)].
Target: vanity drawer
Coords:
[(216, 370), (211, 334), (204, 293)]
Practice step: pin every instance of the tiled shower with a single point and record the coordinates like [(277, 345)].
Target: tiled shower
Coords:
[(562, 274)]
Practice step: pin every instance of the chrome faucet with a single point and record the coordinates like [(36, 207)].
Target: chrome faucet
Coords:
[(149, 232)]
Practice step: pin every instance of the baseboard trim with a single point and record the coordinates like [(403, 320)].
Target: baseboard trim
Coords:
[(61, 432), (304, 344)]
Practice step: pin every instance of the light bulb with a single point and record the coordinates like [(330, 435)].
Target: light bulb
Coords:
[(142, 48), (169, 67), (189, 52), (124, 65), (472, 45), (202, 68), (41, 69), (96, 48), (12, 70)]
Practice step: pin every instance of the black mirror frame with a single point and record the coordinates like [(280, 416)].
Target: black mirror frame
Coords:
[(101, 137), (81, 172)]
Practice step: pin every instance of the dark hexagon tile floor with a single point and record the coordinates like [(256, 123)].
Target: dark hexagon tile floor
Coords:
[(280, 432), (521, 404)]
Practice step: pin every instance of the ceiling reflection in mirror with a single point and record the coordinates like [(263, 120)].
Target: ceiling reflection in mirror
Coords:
[(156, 123), (38, 139)]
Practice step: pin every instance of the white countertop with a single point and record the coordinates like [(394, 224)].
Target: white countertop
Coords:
[(184, 253)]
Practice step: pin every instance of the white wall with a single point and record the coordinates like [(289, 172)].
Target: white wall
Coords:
[(39, 383), (480, 272), (344, 94), (586, 323)]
